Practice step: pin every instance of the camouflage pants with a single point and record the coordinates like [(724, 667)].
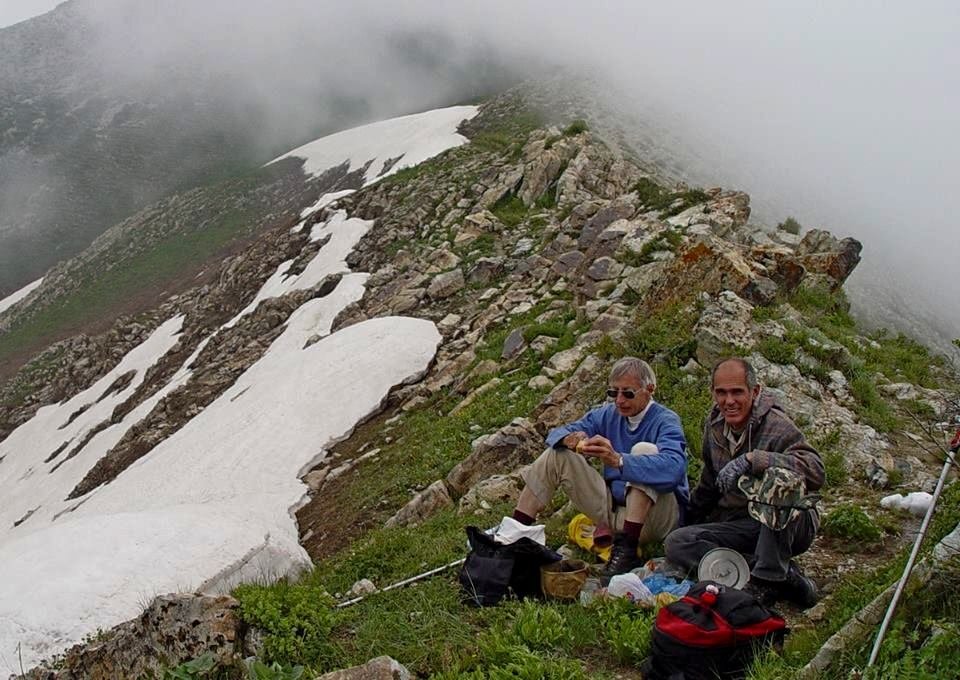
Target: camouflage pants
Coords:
[(767, 551)]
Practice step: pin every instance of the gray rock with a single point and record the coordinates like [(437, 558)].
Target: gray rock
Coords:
[(486, 269), (380, 668), (362, 587), (426, 503), (449, 323), (568, 262), (540, 382), (542, 343), (502, 452), (446, 284), (724, 324), (495, 489), (567, 360), (604, 268), (513, 345), (440, 260), (522, 247)]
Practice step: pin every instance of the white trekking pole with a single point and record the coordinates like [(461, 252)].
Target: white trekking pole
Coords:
[(951, 460)]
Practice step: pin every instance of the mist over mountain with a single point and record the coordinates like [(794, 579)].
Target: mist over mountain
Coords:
[(108, 106), (837, 116)]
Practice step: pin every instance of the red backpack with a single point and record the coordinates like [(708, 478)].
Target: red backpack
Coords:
[(713, 631)]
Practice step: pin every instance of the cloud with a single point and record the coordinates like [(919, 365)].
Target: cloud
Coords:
[(840, 114)]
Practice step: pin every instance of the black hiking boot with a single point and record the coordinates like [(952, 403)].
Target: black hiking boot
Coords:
[(800, 589), (623, 558), (766, 593)]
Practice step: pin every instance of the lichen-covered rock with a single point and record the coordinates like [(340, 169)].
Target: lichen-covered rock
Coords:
[(501, 452), (426, 503), (820, 251), (380, 668), (725, 325), (173, 629), (495, 489)]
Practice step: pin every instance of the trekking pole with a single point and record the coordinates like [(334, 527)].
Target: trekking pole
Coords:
[(406, 581), (954, 448)]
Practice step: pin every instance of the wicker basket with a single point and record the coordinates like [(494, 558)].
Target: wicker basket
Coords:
[(563, 580)]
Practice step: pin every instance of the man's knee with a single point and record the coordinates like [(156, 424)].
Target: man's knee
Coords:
[(679, 539)]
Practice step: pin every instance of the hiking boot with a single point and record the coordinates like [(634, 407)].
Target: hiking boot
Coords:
[(766, 593), (800, 589), (623, 558)]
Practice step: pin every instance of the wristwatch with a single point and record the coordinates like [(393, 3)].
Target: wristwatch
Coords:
[(620, 461)]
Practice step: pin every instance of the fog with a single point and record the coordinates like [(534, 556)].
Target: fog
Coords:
[(842, 115)]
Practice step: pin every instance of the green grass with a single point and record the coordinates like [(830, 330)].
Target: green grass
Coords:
[(152, 268), (666, 241), (778, 350), (897, 357), (851, 523), (510, 210), (659, 198), (834, 461), (873, 409)]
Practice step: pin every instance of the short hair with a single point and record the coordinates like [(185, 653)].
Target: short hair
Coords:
[(748, 370), (637, 368)]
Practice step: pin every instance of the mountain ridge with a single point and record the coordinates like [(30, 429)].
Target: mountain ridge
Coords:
[(538, 254)]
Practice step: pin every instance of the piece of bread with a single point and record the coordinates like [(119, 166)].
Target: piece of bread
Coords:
[(580, 445)]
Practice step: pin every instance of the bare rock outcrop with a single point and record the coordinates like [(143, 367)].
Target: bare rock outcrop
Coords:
[(173, 629)]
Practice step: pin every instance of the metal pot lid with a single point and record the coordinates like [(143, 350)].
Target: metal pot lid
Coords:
[(725, 566)]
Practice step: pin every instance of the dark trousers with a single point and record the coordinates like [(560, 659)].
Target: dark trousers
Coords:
[(767, 551)]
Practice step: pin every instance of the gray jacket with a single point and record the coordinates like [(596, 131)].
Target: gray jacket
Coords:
[(775, 441)]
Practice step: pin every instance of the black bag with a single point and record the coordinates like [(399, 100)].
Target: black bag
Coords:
[(492, 571), (713, 631)]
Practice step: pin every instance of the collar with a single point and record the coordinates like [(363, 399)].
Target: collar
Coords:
[(633, 422)]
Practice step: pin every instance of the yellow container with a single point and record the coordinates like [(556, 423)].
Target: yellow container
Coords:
[(580, 531)]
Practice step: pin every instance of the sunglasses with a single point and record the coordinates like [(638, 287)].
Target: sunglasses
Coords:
[(627, 393)]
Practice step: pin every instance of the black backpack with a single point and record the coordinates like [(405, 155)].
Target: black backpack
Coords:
[(713, 631), (492, 571)]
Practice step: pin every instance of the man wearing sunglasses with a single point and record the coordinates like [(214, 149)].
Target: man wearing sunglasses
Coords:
[(643, 482)]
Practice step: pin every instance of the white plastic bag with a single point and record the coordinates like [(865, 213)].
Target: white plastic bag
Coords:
[(631, 587)]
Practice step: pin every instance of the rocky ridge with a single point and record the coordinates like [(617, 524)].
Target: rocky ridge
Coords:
[(547, 222)]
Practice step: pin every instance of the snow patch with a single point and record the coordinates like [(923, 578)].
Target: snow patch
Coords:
[(413, 139), (211, 505), (14, 298)]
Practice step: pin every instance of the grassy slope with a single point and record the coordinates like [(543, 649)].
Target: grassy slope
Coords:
[(426, 626), (129, 278)]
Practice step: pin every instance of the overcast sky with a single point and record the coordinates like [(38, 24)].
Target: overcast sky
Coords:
[(14, 11), (842, 114)]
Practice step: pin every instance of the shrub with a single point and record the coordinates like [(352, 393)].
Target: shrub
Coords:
[(790, 225), (849, 522), (575, 128), (296, 620), (650, 193)]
